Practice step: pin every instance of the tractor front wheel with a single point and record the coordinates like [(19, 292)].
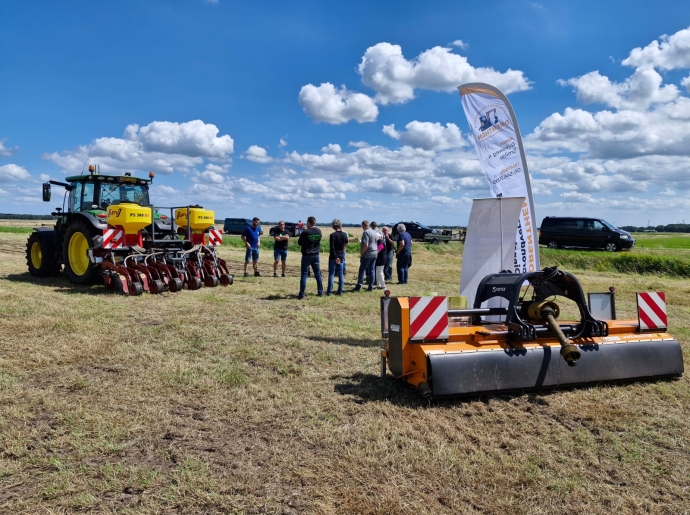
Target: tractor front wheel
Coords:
[(78, 240), (40, 256)]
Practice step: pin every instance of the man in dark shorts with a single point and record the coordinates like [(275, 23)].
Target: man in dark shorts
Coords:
[(281, 237), (251, 237), (310, 242), (336, 258)]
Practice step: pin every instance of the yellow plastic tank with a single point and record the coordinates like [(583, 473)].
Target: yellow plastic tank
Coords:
[(132, 217), (199, 218)]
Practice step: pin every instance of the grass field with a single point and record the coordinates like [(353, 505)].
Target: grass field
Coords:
[(245, 400)]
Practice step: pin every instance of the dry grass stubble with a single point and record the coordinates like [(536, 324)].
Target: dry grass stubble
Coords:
[(244, 400)]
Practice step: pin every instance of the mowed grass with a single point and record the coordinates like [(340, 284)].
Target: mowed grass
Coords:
[(245, 400)]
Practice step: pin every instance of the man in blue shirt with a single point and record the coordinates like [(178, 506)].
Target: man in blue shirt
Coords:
[(404, 253), (251, 237)]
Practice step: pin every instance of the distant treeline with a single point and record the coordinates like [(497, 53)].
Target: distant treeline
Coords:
[(658, 228), (11, 216)]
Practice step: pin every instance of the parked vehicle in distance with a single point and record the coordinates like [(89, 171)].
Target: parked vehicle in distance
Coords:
[(291, 228), (417, 231), (595, 233), (445, 236), (238, 225)]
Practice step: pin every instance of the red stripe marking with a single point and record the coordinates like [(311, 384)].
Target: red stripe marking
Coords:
[(438, 329), (428, 310), (414, 301), (644, 319), (654, 306)]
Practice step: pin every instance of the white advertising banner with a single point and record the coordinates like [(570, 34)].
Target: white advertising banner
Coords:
[(499, 146), (490, 241)]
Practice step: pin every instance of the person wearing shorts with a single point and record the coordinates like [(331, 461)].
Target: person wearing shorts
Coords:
[(251, 238), (281, 237)]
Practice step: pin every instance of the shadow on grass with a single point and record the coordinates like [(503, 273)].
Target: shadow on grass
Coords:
[(352, 342), (59, 283), (287, 296), (372, 388)]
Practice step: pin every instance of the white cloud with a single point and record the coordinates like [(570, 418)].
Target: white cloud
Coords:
[(162, 147), (193, 139), (327, 104), (671, 53), (332, 148), (6, 152), (427, 135), (664, 130), (460, 44), (686, 83), (14, 173), (257, 154), (283, 143), (358, 144), (642, 89), (384, 69)]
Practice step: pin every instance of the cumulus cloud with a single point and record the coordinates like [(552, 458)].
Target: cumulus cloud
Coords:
[(460, 44), (14, 173), (686, 83), (427, 135), (664, 130), (4, 151), (671, 53), (638, 91), (257, 154), (329, 104), (193, 139), (162, 147), (332, 148), (394, 78)]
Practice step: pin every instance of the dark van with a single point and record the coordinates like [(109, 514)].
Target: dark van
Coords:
[(594, 233), (238, 225)]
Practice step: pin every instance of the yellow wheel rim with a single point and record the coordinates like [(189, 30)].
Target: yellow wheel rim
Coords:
[(36, 255), (78, 259)]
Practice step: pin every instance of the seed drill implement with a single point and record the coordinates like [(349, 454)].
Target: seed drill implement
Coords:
[(110, 233)]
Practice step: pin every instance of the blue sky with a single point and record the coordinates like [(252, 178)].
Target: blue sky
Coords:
[(288, 109)]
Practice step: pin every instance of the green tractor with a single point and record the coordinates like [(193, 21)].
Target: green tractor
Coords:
[(81, 226)]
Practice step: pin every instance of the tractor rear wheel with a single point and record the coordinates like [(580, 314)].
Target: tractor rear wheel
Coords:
[(40, 256), (78, 266)]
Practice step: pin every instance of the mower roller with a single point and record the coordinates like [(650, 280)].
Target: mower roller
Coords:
[(111, 233), (512, 339)]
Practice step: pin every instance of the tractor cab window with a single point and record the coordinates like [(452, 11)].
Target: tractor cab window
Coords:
[(75, 197), (87, 196), (114, 193)]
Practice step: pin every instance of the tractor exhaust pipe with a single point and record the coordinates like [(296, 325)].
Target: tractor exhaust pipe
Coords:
[(549, 311)]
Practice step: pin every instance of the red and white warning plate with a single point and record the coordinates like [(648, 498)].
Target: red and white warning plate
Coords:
[(428, 318), (113, 238), (651, 310), (215, 237)]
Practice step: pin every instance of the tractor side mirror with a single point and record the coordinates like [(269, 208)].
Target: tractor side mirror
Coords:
[(46, 192)]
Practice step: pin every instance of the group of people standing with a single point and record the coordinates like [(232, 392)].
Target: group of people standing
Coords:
[(377, 252)]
